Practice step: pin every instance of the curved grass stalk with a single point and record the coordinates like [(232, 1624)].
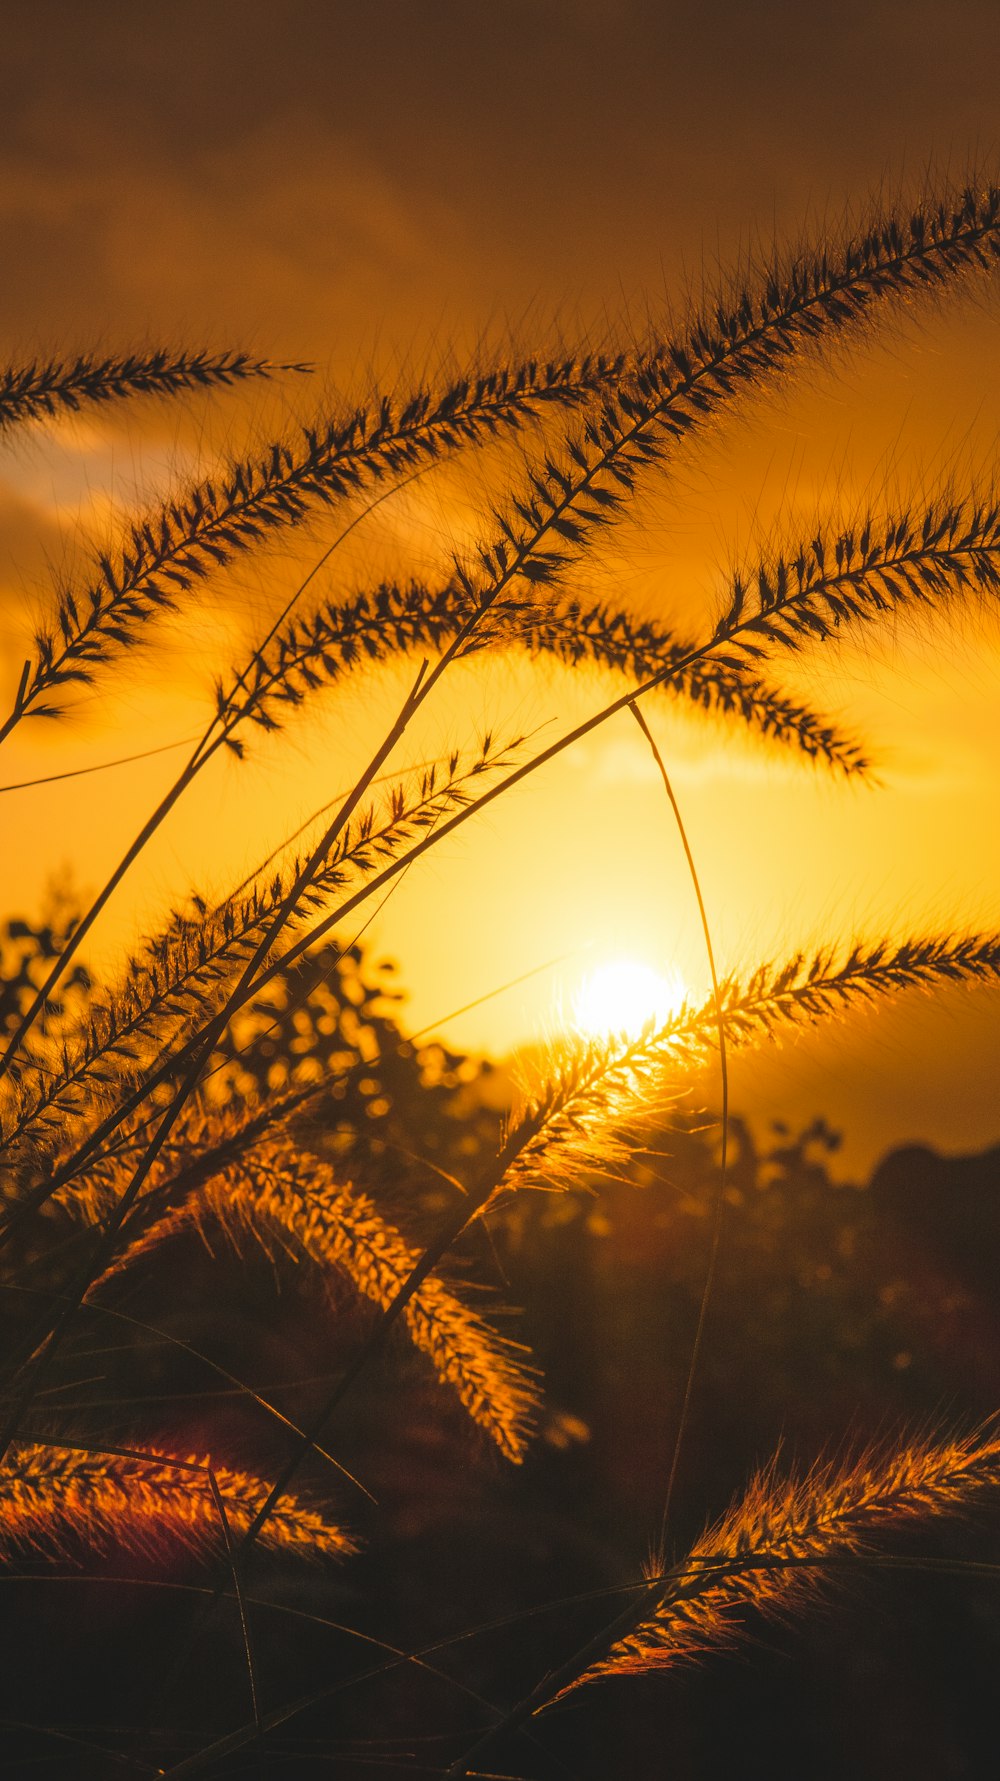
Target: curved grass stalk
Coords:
[(806, 1529), (298, 948), (396, 619), (729, 635), (219, 734), (578, 1116), (174, 548), (283, 1199), (37, 1359), (43, 387), (732, 348), (906, 562), (755, 338), (207, 1141), (53, 1497), (180, 976), (934, 247), (913, 964), (643, 650), (569, 500), (778, 1548), (671, 389), (674, 670), (307, 653)]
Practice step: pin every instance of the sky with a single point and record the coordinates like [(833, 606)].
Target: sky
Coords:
[(386, 191)]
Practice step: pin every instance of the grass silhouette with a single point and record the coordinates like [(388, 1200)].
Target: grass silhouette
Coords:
[(145, 1113)]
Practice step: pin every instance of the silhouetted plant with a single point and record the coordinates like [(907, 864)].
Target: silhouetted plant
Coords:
[(243, 1086)]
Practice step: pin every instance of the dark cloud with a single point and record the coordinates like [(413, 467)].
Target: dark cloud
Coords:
[(314, 170)]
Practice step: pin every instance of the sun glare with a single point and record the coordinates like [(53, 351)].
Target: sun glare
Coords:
[(623, 995)]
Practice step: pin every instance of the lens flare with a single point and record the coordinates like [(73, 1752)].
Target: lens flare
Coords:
[(624, 995)]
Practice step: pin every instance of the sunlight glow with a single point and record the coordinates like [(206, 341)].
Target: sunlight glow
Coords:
[(623, 995)]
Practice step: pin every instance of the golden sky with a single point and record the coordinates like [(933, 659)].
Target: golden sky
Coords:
[(385, 190)]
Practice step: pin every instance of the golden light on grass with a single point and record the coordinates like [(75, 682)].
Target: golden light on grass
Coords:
[(236, 1072), (624, 995)]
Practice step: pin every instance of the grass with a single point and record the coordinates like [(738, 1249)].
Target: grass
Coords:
[(240, 1091)]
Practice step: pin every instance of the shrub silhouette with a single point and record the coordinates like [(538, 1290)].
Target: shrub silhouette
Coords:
[(240, 1093)]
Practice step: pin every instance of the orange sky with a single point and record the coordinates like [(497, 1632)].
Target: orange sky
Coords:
[(380, 189)]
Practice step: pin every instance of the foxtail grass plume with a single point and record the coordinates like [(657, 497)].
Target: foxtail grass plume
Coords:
[(55, 1498), (577, 1116), (788, 1540), (289, 1202)]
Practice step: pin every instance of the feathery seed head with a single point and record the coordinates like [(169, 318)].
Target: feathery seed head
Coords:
[(52, 1497), (779, 1547)]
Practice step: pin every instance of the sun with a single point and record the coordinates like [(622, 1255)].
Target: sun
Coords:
[(624, 995)]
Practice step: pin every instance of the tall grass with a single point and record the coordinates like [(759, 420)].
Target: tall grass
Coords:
[(139, 1120)]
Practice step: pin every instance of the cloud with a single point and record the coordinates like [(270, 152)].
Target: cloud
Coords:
[(293, 234)]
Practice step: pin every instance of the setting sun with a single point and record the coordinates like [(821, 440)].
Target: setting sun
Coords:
[(623, 995)]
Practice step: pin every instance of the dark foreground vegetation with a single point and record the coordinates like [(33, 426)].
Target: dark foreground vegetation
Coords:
[(843, 1312)]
